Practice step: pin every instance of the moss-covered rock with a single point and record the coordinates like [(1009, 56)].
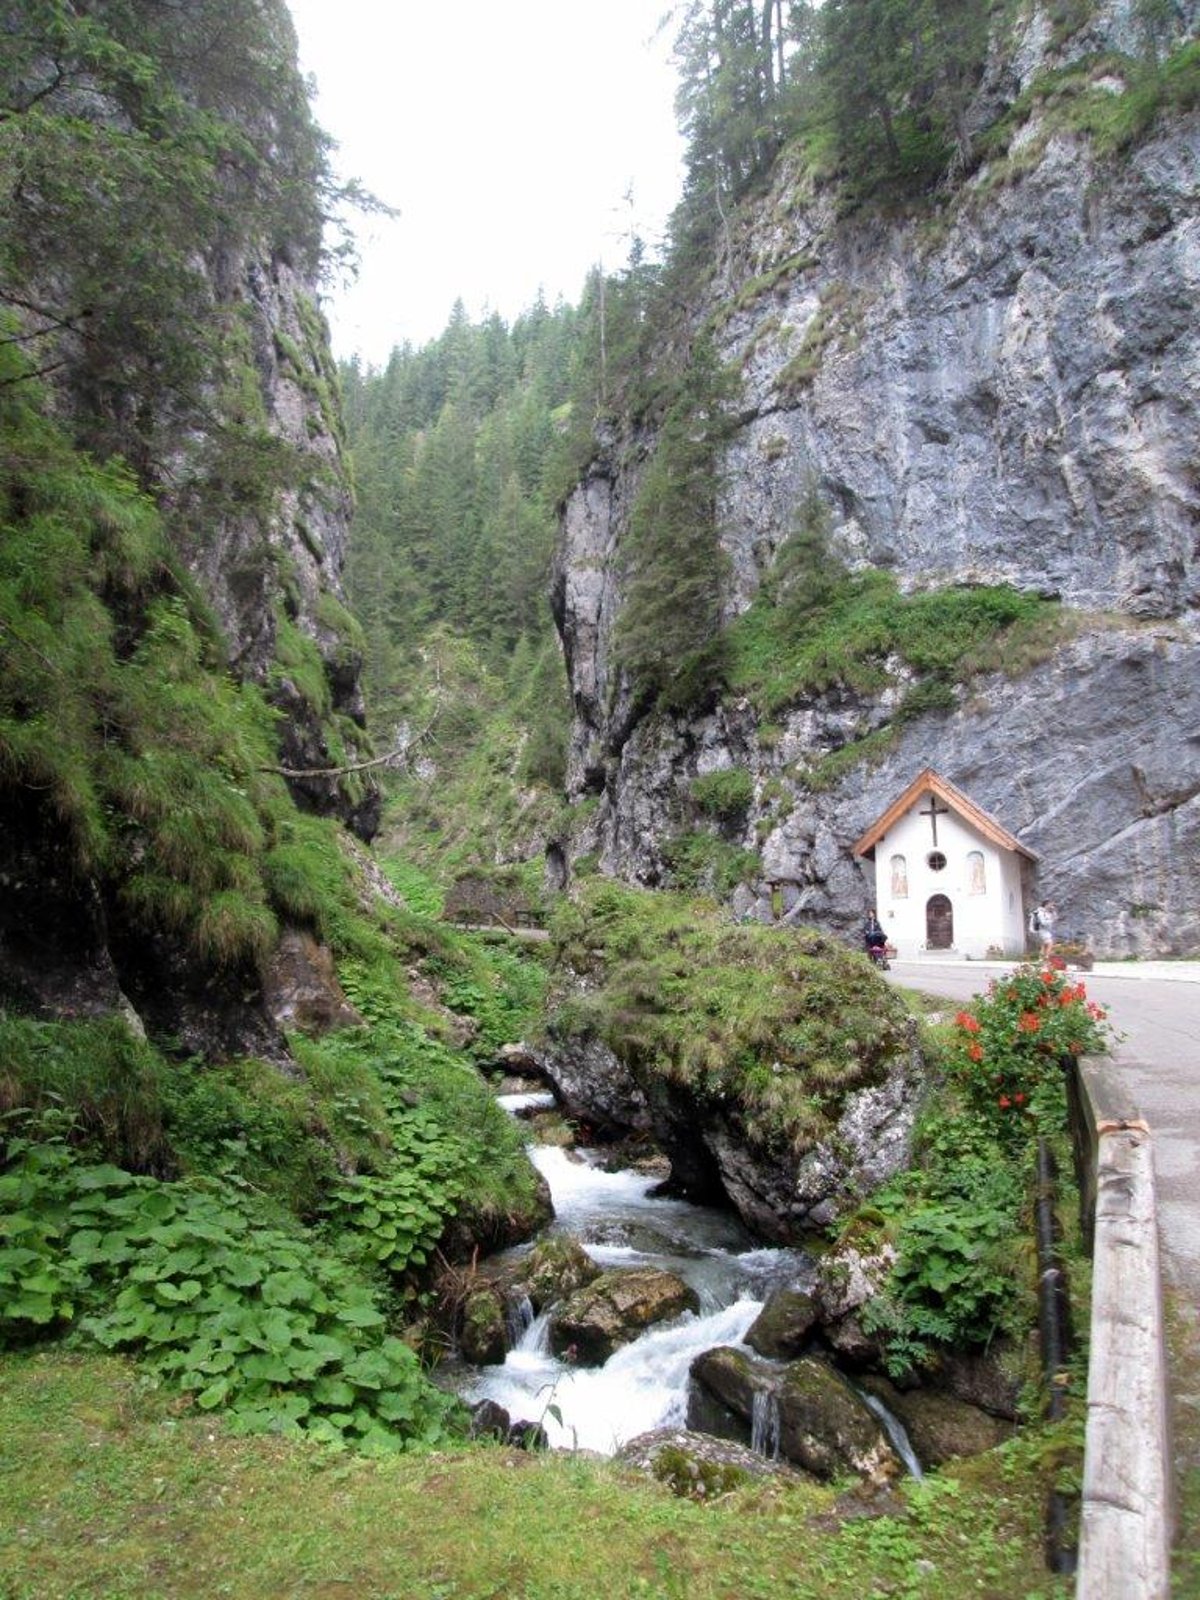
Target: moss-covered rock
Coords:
[(939, 1427), (773, 1067), (820, 1424), (483, 1339), (784, 1325), (557, 1268), (616, 1308)]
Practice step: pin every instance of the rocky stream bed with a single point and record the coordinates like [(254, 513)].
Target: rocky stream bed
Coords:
[(644, 1326)]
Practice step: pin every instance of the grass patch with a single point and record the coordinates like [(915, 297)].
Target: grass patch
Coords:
[(111, 1491)]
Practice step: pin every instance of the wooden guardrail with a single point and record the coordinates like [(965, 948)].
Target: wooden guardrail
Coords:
[(1126, 1520)]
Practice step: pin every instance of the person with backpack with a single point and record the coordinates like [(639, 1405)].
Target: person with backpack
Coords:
[(1041, 924), (875, 941)]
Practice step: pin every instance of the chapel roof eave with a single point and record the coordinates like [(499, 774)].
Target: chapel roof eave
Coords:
[(931, 782)]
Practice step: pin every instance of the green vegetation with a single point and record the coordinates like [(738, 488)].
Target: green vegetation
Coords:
[(118, 726), (668, 637), (706, 864), (780, 1024), (960, 1219), (118, 1493), (725, 795), (135, 141), (1112, 100), (816, 626), (260, 1239), (242, 1314), (486, 768), (458, 452)]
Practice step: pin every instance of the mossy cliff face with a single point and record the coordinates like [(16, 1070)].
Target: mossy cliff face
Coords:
[(993, 392), (175, 656)]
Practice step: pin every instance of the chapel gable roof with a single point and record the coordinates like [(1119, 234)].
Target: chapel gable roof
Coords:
[(931, 782)]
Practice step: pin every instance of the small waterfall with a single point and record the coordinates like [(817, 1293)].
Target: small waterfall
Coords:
[(520, 1105), (644, 1385), (764, 1424), (518, 1316), (894, 1429), (535, 1339)]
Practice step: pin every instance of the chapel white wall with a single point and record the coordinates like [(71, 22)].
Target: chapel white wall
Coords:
[(983, 923)]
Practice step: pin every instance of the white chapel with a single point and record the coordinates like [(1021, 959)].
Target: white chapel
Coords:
[(948, 877)]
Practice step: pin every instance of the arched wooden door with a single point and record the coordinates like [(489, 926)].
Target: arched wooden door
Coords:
[(939, 923)]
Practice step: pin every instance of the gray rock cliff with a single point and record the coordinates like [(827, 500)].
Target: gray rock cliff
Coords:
[(1002, 389)]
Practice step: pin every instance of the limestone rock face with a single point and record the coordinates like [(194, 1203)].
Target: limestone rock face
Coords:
[(1005, 390)]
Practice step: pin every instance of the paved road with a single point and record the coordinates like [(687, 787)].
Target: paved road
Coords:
[(1156, 1006)]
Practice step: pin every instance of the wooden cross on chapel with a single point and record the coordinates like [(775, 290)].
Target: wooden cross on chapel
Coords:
[(935, 811)]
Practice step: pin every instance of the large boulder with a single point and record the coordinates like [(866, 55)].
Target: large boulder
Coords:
[(784, 1326), (556, 1268), (939, 1427), (991, 1379), (592, 1084), (816, 1420), (615, 1309), (825, 1427), (483, 1338), (849, 1277)]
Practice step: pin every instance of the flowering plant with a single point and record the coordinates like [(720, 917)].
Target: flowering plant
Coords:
[(1010, 1044)]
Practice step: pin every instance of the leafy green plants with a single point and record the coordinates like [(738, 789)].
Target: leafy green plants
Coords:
[(233, 1307), (959, 1218)]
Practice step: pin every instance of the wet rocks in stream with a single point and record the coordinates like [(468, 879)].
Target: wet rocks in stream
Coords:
[(615, 1309), (483, 1337), (820, 1424)]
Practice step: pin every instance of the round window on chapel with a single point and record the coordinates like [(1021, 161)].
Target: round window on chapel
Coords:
[(935, 861)]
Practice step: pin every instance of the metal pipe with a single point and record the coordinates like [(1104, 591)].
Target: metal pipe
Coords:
[(1055, 1332)]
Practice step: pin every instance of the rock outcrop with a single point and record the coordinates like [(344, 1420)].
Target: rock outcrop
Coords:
[(818, 1422), (1003, 389)]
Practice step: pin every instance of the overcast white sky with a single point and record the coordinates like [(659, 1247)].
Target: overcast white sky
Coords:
[(506, 132)]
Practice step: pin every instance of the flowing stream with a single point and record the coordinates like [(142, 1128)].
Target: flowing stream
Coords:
[(644, 1384)]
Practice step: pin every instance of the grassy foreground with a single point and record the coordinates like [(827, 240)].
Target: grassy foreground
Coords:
[(108, 1490)]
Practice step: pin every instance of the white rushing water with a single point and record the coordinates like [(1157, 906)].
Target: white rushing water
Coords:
[(526, 1100), (644, 1384)]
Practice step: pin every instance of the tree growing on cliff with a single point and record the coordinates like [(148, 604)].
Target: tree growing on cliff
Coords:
[(141, 146), (897, 77), (669, 638)]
